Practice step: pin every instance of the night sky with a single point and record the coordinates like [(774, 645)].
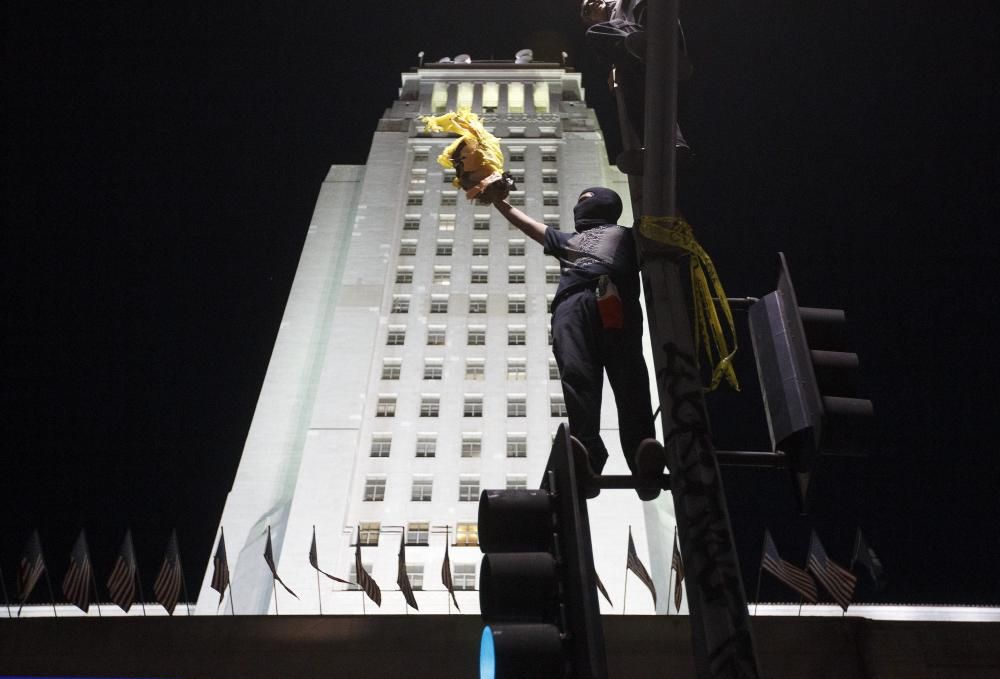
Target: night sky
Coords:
[(161, 164)]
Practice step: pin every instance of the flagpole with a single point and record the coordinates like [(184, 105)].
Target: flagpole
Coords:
[(93, 577), (5, 599), (447, 539), (670, 579), (52, 597), (180, 564), (319, 592), (760, 572), (142, 597), (232, 604), (274, 588)]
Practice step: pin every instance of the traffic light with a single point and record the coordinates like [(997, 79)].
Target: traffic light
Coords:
[(808, 387), (537, 590)]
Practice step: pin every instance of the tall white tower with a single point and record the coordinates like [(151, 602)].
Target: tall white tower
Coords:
[(412, 367)]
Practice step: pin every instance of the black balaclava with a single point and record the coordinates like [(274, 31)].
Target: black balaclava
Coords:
[(604, 207)]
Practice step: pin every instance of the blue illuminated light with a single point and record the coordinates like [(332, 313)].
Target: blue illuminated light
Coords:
[(487, 655)]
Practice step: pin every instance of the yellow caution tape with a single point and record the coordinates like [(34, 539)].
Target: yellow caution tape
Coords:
[(676, 232), (466, 124)]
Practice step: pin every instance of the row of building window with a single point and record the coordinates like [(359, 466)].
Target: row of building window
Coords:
[(422, 487), (430, 406), (415, 197), (472, 445), (418, 534), (478, 274), (475, 369), (490, 96), (446, 222), (422, 154), (463, 576), (516, 304), (445, 247), (475, 336)]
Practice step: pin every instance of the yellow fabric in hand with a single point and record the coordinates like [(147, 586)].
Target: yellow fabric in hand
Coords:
[(467, 125)]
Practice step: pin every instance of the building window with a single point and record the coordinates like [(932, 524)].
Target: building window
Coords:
[(465, 577), (381, 445), (430, 406), (515, 304), (549, 299), (467, 535), (415, 572), (552, 274), (426, 445), (472, 445), (553, 369), (550, 337), (433, 369), (517, 445), (550, 177), (517, 406), (421, 490), (464, 97), (386, 406), (557, 405), (475, 369), (418, 533), (444, 248), (391, 368), (551, 221), (515, 248), (407, 247), (420, 156), (439, 304), (448, 199), (480, 274), (546, 131), (515, 274), (442, 275), (549, 156), (404, 274), (481, 223), (446, 222), (517, 176), (368, 533), (477, 304), (477, 337), (516, 337), (550, 199), (400, 304), (439, 97), (374, 488), (448, 177), (517, 155), (468, 488), (516, 131), (473, 406), (435, 336), (415, 198), (491, 97), (517, 369), (480, 248), (515, 97), (517, 482), (540, 95), (396, 337), (516, 198)]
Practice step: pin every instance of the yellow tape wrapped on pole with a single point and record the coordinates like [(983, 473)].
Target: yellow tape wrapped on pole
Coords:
[(677, 233)]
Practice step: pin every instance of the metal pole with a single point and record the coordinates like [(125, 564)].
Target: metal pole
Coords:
[(720, 622)]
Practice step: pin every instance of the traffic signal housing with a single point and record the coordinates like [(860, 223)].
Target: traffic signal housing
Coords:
[(537, 592), (807, 382)]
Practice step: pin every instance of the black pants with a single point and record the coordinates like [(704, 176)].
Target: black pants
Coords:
[(584, 351)]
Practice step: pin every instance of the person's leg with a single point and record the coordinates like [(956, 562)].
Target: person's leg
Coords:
[(629, 379), (575, 345)]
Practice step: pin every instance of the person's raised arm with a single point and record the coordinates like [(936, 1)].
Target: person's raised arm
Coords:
[(532, 228)]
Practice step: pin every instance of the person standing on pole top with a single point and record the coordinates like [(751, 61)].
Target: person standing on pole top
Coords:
[(597, 327)]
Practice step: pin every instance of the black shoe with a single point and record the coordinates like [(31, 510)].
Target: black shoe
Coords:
[(650, 461)]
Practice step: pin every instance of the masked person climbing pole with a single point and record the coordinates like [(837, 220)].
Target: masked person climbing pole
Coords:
[(597, 323)]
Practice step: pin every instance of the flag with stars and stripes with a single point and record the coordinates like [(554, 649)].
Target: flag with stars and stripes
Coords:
[(836, 579), (793, 576), (365, 581), (121, 582), (403, 578), (446, 579), (30, 568), (632, 563), (269, 559), (677, 566), (170, 579), (220, 572), (314, 561), (602, 589), (77, 584)]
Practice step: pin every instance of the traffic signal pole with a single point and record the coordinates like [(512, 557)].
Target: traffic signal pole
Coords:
[(721, 634)]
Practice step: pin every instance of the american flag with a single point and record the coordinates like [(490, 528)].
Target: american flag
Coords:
[(269, 558), (602, 589), (633, 564), (77, 585), (314, 561), (446, 579), (836, 580), (677, 566), (167, 587), (402, 578), (30, 568), (865, 555), (365, 581), (220, 574), (793, 576), (121, 582)]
